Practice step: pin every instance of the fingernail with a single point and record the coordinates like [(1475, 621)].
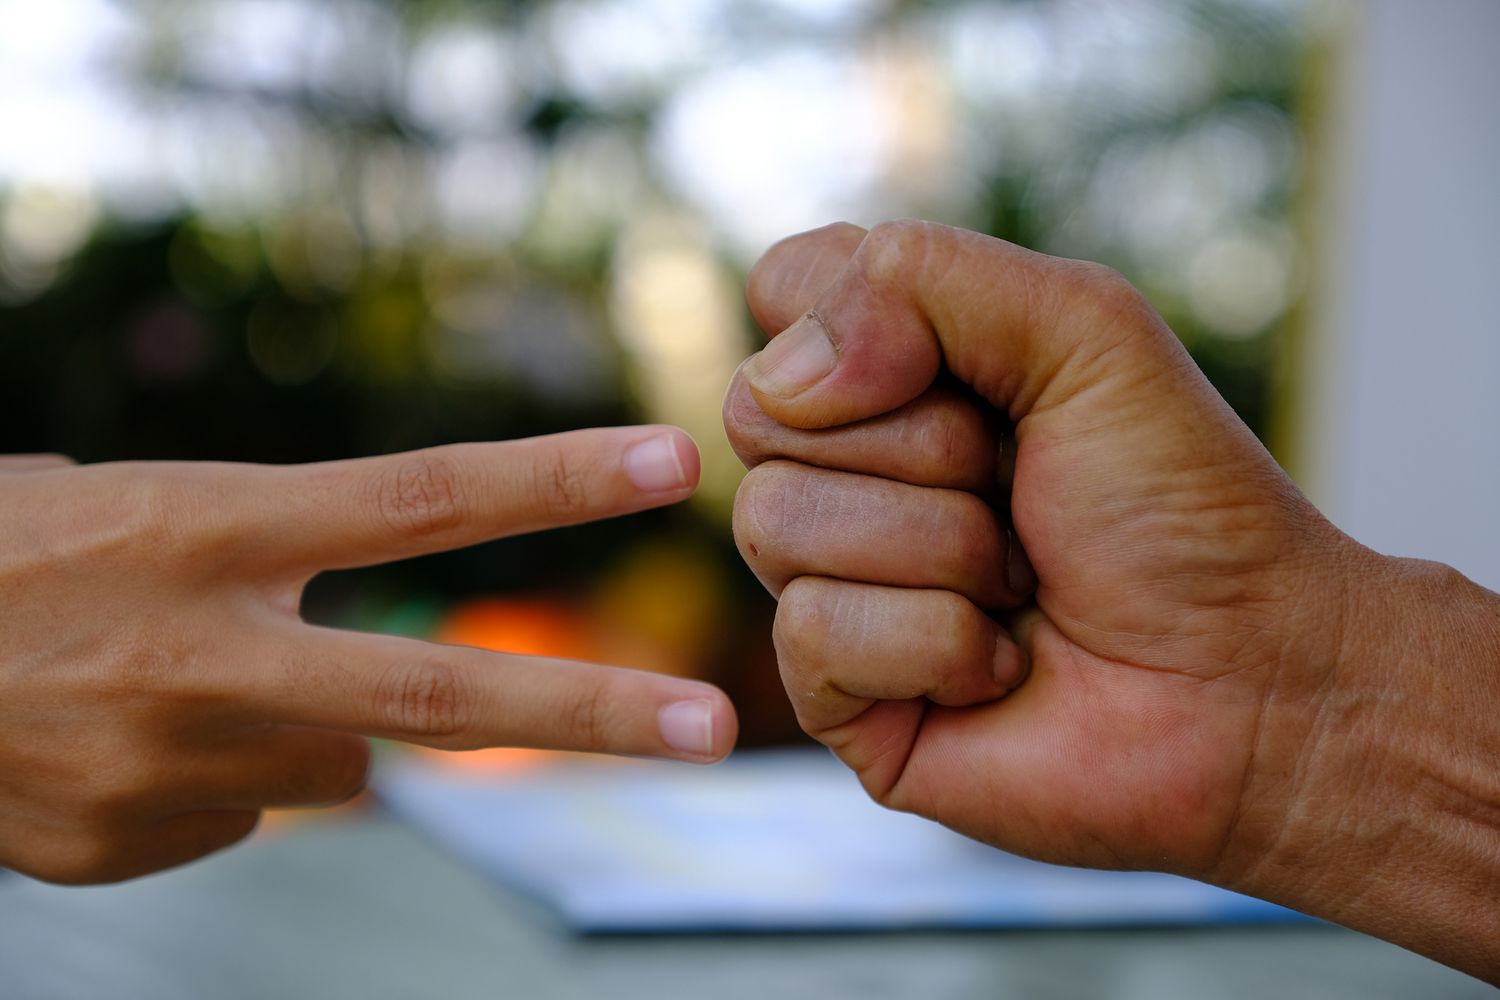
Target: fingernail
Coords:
[(654, 465), (795, 361), (688, 727)]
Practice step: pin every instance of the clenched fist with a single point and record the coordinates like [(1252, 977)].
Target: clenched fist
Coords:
[(1038, 582)]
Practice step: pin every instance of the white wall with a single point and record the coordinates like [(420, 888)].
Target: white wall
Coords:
[(1400, 436)]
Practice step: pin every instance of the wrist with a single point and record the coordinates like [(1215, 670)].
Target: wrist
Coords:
[(1374, 797)]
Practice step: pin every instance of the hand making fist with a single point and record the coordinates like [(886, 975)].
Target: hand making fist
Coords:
[(1200, 675)]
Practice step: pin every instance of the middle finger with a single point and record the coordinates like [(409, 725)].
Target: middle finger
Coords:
[(795, 520)]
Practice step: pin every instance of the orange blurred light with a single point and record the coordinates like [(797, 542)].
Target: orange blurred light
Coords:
[(527, 627), (530, 627)]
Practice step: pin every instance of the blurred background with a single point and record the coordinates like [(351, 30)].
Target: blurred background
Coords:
[(294, 230)]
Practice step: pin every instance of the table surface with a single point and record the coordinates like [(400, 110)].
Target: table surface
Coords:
[(365, 908)]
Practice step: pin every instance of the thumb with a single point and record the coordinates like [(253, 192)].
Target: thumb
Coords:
[(1020, 327)]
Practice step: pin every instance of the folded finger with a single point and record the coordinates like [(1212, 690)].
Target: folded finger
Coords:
[(281, 766), (941, 438), (842, 646), (79, 857), (794, 520)]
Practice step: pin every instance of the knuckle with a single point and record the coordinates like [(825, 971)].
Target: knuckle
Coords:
[(161, 511), (955, 634), (801, 636), (427, 699), (745, 423), (559, 487), (841, 231), (1106, 293), (420, 495), (761, 508), (892, 250), (1100, 280), (950, 441), (804, 618), (148, 664), (585, 719)]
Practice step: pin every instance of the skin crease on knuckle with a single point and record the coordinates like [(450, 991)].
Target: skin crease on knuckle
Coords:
[(559, 485), (420, 496), (178, 516), (586, 718), (428, 700)]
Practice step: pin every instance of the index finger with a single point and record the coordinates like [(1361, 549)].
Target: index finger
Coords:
[(336, 515), (458, 698)]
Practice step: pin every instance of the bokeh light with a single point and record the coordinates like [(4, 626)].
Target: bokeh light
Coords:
[(286, 230)]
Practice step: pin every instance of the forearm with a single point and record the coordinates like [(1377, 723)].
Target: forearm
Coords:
[(1391, 807)]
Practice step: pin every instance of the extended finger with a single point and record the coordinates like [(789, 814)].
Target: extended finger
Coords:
[(794, 520), (942, 438), (355, 513), (457, 698)]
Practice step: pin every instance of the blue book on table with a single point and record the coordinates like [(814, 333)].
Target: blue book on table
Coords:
[(767, 841)]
